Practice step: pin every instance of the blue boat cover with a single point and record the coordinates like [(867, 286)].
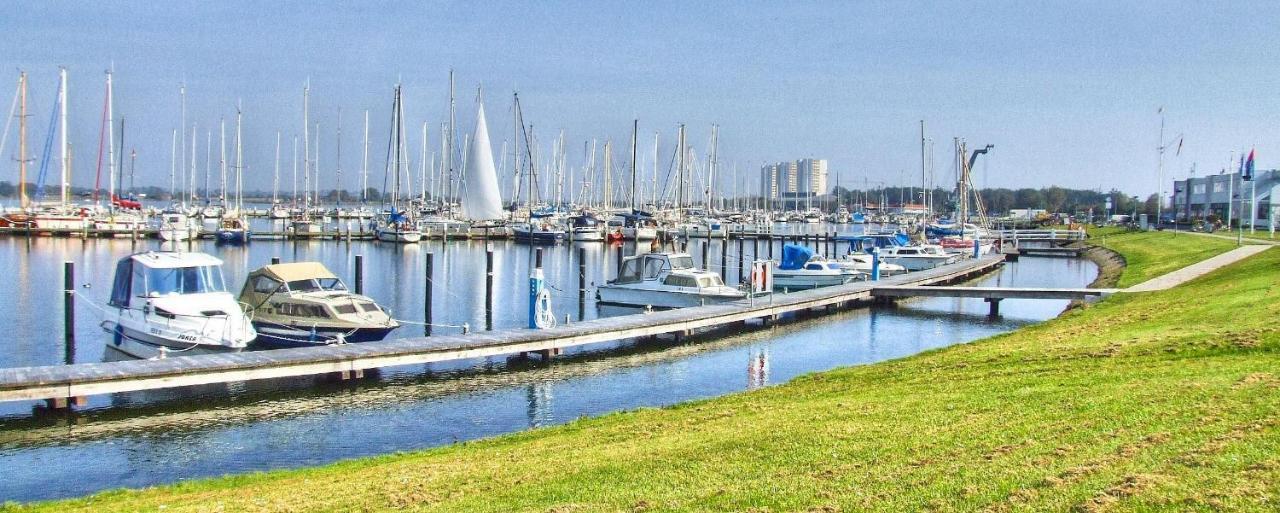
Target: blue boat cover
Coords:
[(794, 257)]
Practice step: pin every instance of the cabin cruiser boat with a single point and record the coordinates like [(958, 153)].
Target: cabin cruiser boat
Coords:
[(813, 217), (800, 269), (174, 303), (948, 229), (665, 280), (176, 226), (586, 227), (639, 226), (864, 262), (305, 304), (303, 226), (541, 229), (917, 258)]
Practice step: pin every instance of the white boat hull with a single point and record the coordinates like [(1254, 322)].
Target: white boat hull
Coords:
[(400, 236), (629, 296), (801, 281)]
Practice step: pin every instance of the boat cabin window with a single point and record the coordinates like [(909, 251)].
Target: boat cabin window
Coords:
[(265, 285), (677, 280), (179, 280), (316, 284), (682, 262), (813, 267), (908, 252), (653, 266), (630, 271), (709, 281)]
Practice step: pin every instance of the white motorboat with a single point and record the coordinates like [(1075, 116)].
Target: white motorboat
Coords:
[(639, 227), (586, 227), (917, 258), (665, 280), (176, 226), (863, 262), (174, 303), (800, 269)]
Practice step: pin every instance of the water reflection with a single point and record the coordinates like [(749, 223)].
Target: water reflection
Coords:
[(144, 438)]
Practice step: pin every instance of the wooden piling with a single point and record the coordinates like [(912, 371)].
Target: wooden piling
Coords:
[(359, 278), (275, 260), (740, 280), (488, 288), (582, 283), (429, 283), (69, 311)]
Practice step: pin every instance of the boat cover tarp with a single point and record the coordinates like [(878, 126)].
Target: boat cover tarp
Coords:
[(294, 271), (794, 257)]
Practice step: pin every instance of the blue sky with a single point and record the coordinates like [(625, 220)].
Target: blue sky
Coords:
[(1066, 91)]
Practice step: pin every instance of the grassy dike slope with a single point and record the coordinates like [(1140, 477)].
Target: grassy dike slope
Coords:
[(1151, 254), (1162, 401)]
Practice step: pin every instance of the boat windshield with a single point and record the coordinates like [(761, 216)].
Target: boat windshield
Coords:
[(316, 285), (682, 262), (183, 280)]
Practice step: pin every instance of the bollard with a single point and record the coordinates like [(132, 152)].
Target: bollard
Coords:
[(429, 283), (69, 311), (725, 260), (359, 274), (618, 272), (275, 260), (740, 261), (536, 283), (582, 283), (488, 288), (875, 264)]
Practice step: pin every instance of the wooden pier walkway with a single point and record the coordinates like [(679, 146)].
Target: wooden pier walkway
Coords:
[(66, 385), (992, 295)]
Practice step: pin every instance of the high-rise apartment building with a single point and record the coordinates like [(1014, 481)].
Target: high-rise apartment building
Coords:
[(794, 179)]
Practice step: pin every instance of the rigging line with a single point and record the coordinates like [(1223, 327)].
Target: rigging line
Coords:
[(13, 108)]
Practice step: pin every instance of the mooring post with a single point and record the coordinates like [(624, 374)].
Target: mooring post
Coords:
[(618, 272), (488, 287), (977, 249), (426, 313), (704, 254), (69, 311), (740, 261), (536, 283), (770, 242), (724, 259), (359, 274), (875, 264), (275, 260), (995, 307), (755, 249), (582, 283)]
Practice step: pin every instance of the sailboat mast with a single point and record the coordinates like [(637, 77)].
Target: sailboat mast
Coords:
[(449, 143), (222, 159), (22, 141), (423, 163), (62, 128), (635, 136), (182, 155), (364, 162), (239, 166), (654, 186), (339, 159), (111, 144), (275, 179), (193, 165), (173, 164), (306, 147)]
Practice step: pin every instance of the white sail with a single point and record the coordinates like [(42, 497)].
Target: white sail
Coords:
[(481, 200)]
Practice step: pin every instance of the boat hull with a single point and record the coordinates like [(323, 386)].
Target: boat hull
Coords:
[(662, 299), (400, 236), (277, 336), (783, 280), (143, 344)]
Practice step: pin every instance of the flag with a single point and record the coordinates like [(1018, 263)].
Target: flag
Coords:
[(1248, 167), (1179, 152)]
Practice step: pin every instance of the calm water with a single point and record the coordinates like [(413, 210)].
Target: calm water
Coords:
[(145, 438)]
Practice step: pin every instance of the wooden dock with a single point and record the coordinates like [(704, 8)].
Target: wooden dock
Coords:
[(991, 295), (65, 385)]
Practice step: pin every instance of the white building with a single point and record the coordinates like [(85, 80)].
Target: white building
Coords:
[(794, 179)]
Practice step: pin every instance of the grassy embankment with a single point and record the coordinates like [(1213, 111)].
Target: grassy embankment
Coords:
[(1151, 254), (1161, 401)]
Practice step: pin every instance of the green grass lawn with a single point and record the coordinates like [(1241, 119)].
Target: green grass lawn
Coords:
[(1166, 401), (1152, 253)]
